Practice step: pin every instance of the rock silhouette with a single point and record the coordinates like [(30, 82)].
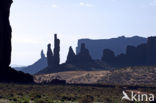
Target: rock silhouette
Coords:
[(81, 61), (5, 34), (118, 45), (143, 54), (42, 54), (56, 51), (108, 56), (151, 51), (35, 67), (84, 55), (71, 58), (50, 57), (53, 57), (7, 74)]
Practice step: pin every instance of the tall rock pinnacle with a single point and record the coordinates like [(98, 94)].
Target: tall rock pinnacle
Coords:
[(53, 56), (42, 54), (50, 58), (56, 51)]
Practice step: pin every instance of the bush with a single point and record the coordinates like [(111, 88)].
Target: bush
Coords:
[(87, 99), (40, 101)]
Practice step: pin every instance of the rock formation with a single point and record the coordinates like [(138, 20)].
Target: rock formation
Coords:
[(42, 54), (151, 51), (5, 34), (7, 74), (84, 56), (143, 54), (50, 57), (53, 57), (56, 51), (108, 56), (118, 45), (71, 57), (35, 67)]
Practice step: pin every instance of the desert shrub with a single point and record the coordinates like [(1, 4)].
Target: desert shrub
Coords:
[(20, 94), (11, 95), (87, 99), (37, 96), (1, 96), (40, 101), (108, 100), (26, 102), (14, 99)]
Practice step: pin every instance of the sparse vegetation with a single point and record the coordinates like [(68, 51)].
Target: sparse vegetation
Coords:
[(20, 93)]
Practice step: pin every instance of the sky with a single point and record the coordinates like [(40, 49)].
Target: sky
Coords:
[(34, 23)]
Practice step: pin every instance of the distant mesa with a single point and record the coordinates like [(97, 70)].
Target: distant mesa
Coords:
[(140, 55), (118, 45)]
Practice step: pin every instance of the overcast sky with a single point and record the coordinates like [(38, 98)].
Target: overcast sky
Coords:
[(35, 21)]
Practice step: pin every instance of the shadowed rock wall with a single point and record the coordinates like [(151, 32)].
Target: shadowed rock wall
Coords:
[(5, 34), (7, 74)]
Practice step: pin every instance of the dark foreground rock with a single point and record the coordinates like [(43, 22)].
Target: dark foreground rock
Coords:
[(7, 74)]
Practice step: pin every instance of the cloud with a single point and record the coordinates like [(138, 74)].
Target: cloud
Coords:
[(54, 6), (153, 3), (86, 4)]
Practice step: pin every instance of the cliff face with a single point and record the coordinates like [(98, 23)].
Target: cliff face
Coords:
[(5, 34), (7, 74), (118, 45), (143, 54), (84, 55)]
